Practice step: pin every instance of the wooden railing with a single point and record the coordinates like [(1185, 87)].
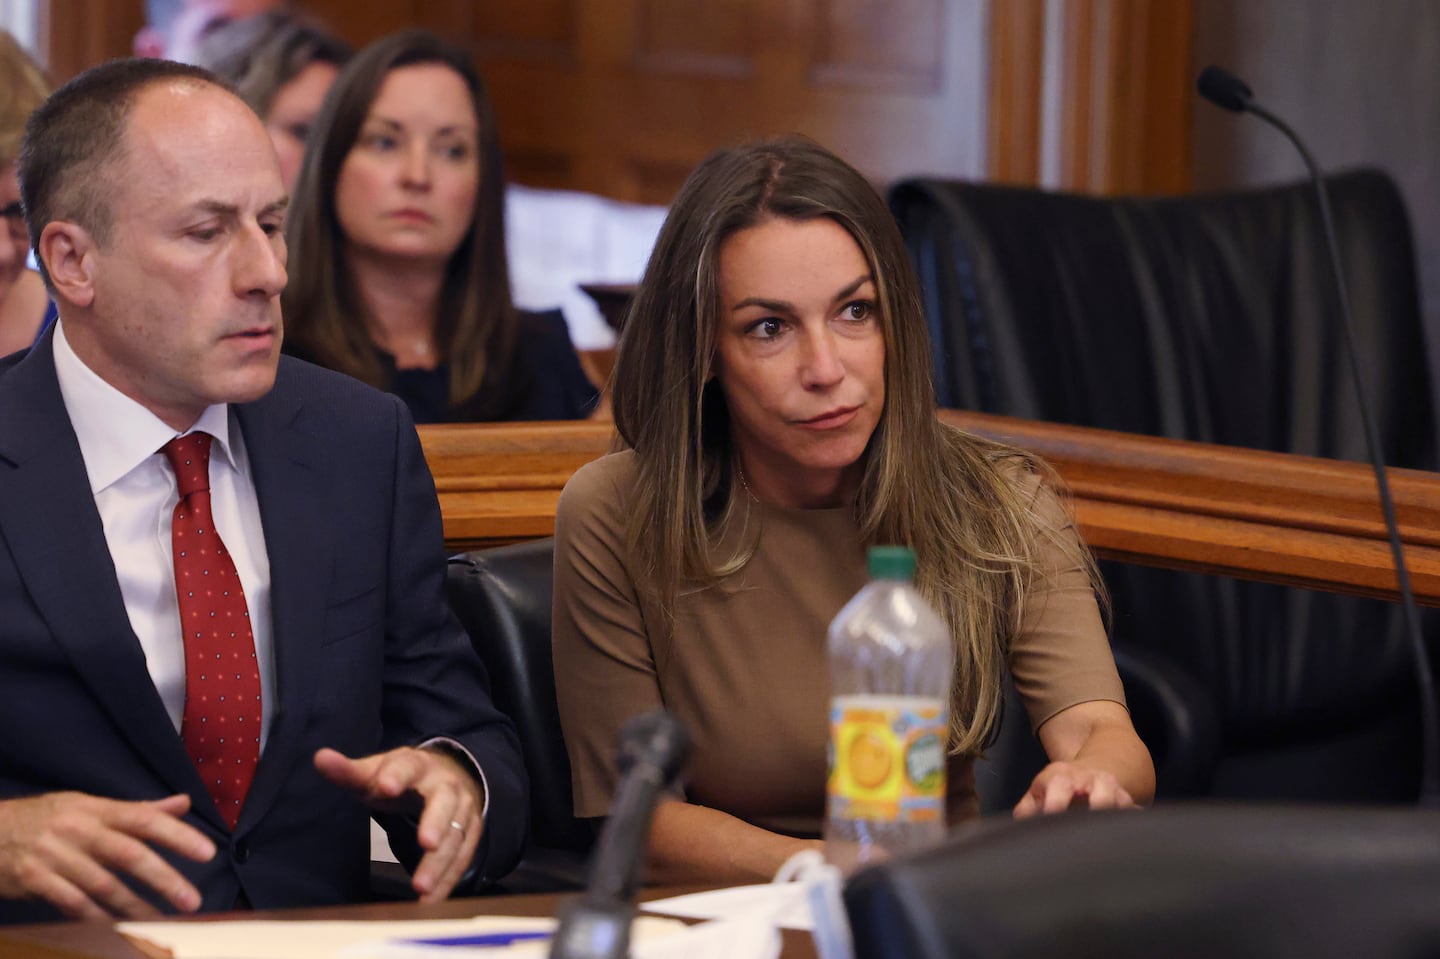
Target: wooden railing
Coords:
[(1266, 516)]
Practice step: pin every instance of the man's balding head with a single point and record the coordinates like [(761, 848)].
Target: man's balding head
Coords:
[(74, 144)]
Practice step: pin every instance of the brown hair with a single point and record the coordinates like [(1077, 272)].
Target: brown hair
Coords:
[(74, 143), (950, 496), (475, 328), (261, 54)]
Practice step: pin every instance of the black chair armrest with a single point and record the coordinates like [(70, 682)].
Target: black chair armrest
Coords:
[(1175, 718)]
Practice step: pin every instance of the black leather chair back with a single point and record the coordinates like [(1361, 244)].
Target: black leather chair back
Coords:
[(1207, 318), (1178, 881), (502, 598)]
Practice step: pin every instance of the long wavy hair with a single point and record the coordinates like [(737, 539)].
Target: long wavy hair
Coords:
[(324, 314), (949, 495)]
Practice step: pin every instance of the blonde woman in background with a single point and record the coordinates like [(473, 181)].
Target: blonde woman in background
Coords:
[(23, 300)]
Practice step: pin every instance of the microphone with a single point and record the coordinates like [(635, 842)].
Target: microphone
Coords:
[(1224, 89), (1231, 93), (653, 748)]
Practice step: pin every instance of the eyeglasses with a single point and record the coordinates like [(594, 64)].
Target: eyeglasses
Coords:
[(14, 218)]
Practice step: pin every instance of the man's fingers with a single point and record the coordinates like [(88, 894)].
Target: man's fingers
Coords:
[(399, 771), (79, 852), (401, 779), (446, 808), (99, 885), (176, 805), (449, 825), (379, 779), (340, 769), (63, 894), (357, 775), (154, 823), (439, 871), (118, 843), (444, 804), (74, 877), (129, 856), (452, 872)]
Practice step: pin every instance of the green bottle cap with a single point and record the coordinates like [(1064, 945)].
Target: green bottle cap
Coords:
[(892, 562)]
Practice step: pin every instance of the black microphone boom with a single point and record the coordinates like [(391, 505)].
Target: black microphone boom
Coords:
[(653, 747), (1231, 93)]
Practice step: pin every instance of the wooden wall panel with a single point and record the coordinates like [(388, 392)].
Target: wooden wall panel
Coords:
[(655, 86), (714, 38), (537, 30), (623, 97), (890, 45), (359, 23), (1120, 119), (1017, 45), (73, 35)]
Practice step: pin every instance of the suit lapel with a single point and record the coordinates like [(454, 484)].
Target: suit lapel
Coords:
[(288, 480), (52, 529)]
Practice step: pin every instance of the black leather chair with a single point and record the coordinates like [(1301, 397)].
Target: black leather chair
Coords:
[(502, 598), (1207, 318), (1181, 881)]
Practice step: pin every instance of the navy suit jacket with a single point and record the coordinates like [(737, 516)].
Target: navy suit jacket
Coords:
[(367, 655)]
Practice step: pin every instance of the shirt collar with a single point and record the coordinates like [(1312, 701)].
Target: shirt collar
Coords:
[(117, 434)]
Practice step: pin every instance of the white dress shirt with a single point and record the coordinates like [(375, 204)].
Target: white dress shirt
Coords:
[(135, 492)]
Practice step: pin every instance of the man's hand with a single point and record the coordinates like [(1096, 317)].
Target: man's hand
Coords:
[(424, 783), (71, 849), (1061, 785)]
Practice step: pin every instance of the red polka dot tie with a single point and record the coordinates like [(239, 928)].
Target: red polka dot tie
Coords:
[(221, 721)]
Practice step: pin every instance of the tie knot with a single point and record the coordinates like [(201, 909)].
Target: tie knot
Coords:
[(189, 457)]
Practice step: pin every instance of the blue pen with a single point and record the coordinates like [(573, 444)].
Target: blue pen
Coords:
[(482, 939)]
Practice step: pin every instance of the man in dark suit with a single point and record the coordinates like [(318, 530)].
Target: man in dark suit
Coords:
[(190, 747)]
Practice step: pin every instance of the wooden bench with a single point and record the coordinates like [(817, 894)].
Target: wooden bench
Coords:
[(1266, 516)]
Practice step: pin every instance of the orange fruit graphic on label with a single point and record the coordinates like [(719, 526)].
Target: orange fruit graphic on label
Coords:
[(869, 760)]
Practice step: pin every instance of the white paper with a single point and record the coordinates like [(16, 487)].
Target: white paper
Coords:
[(783, 904), (558, 239), (350, 939), (739, 938)]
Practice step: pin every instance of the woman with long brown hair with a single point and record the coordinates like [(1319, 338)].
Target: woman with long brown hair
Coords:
[(397, 264), (772, 390)]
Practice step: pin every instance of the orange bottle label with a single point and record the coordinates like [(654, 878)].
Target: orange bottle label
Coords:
[(887, 758)]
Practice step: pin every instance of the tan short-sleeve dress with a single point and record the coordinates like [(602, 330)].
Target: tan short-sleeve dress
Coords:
[(745, 667)]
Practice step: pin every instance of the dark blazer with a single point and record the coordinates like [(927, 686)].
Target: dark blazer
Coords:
[(367, 654)]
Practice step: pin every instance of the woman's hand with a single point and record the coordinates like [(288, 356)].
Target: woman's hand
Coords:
[(1059, 786), (1096, 760)]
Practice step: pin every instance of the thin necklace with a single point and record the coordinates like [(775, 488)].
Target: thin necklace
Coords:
[(740, 469)]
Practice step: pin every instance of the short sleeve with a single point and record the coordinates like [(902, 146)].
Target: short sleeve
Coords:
[(604, 666), (1061, 655)]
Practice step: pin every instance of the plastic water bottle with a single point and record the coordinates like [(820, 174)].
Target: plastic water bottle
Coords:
[(891, 660)]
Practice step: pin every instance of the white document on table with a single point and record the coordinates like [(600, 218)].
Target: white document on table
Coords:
[(357, 939)]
